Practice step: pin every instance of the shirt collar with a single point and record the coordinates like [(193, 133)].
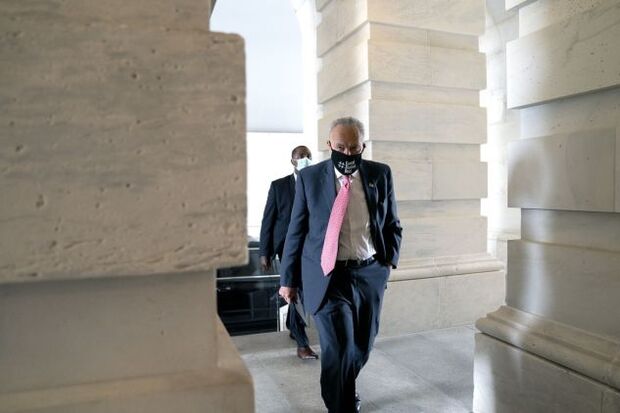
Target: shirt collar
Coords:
[(354, 175)]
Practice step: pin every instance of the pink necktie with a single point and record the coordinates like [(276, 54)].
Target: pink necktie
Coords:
[(330, 245)]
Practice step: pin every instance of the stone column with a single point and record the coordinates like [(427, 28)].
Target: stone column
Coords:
[(412, 72), (555, 346), (502, 128), (122, 174)]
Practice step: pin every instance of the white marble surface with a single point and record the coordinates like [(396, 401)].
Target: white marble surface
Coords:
[(577, 286), (510, 380), (573, 171), (568, 58), (123, 149)]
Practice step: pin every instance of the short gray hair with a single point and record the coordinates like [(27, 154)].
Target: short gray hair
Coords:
[(349, 121)]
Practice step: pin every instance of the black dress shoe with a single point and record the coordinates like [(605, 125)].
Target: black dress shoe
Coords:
[(358, 403), (306, 353)]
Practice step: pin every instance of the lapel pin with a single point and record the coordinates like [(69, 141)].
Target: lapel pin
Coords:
[(371, 184)]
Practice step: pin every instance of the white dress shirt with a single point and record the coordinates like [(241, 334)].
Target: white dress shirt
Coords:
[(354, 241)]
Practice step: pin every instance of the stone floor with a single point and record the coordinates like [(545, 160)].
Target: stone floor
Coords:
[(424, 372)]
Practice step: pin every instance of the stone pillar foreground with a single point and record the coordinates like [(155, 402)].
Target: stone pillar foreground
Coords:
[(122, 173), (412, 72), (554, 347)]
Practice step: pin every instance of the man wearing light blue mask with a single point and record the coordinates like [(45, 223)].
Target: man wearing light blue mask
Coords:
[(275, 222)]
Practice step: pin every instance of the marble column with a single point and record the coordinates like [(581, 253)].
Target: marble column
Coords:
[(412, 72), (122, 174), (555, 346)]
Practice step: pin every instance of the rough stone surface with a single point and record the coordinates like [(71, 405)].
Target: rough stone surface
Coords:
[(123, 145)]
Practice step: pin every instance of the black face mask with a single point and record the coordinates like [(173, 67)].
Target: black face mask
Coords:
[(346, 164)]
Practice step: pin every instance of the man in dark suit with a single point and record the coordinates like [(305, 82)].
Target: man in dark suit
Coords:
[(343, 239), (276, 218)]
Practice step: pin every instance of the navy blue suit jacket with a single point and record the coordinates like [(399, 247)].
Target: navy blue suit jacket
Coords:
[(314, 196), (276, 216)]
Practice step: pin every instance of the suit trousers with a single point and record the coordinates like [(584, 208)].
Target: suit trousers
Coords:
[(348, 322)]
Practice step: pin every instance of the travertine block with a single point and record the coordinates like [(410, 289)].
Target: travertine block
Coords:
[(402, 55), (436, 236), (334, 77), (596, 110), (459, 180), (338, 20), (63, 333), (579, 229), (413, 180), (469, 296), (510, 380), (575, 56), (540, 14), (181, 14), (418, 209), (426, 65), (226, 387), (112, 154), (577, 286), (558, 171), (424, 94), (464, 17), (424, 122), (430, 303)]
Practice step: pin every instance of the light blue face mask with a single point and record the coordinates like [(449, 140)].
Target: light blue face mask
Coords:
[(303, 162)]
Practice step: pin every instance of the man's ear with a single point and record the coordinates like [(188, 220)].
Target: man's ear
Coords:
[(293, 162), (329, 144)]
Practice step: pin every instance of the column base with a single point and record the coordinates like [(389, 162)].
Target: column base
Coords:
[(508, 379)]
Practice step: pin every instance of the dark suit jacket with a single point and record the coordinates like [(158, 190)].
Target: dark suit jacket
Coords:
[(314, 196), (276, 216)]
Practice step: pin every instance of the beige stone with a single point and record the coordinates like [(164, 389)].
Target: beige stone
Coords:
[(537, 15), (425, 122), (112, 155), (558, 171), (568, 58), (425, 304), (464, 17), (436, 236), (589, 354), (510, 380), (577, 286)]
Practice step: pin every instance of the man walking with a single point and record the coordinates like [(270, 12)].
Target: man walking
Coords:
[(343, 238), (275, 222)]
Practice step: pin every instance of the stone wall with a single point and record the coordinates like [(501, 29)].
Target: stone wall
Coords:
[(563, 281), (122, 173), (412, 72)]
